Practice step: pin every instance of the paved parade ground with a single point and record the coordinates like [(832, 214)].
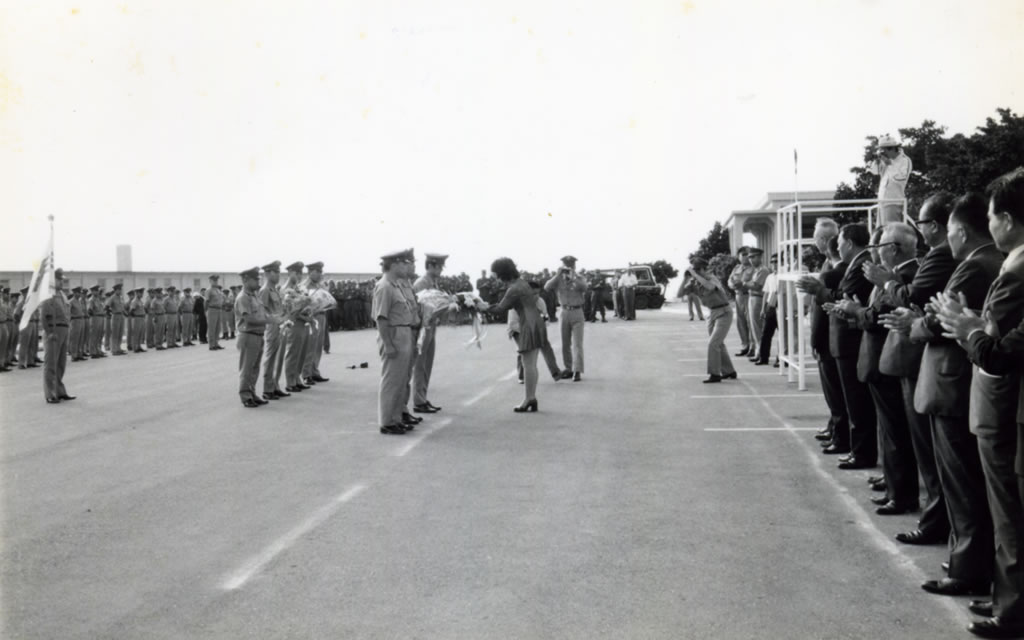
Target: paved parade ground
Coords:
[(638, 503)]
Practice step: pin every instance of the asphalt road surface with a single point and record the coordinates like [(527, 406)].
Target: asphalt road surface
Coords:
[(638, 503)]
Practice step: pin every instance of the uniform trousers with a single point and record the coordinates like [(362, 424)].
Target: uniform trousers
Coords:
[(213, 319), (394, 381), (96, 335), (963, 488), (158, 330), (693, 301), (116, 332), (898, 462), (572, 339), (424, 366), (227, 320), (77, 336), (55, 360), (1005, 491), (719, 322), (934, 517), (273, 357), (754, 306), (861, 434), (141, 327), (315, 349), (412, 365), (743, 320), (5, 331), (629, 300), (12, 342), (250, 352), (26, 344), (296, 340), (187, 327)]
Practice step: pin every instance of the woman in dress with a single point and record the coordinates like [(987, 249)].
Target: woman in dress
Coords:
[(521, 297)]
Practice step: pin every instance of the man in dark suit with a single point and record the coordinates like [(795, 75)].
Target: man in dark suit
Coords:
[(943, 393), (896, 250), (826, 238), (995, 414), (844, 344)]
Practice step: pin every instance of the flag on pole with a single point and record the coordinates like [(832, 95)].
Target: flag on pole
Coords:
[(794, 161), (42, 285)]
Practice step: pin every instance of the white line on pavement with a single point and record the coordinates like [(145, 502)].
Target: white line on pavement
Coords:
[(509, 376), (478, 397), (758, 396), (880, 540), (765, 429), (691, 360), (745, 375), (420, 437), (257, 562)]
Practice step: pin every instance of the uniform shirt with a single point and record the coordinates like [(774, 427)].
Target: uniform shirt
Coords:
[(250, 316), (77, 309), (137, 307), (229, 301), (894, 176), (214, 297), (570, 294), (758, 275), (96, 307), (270, 298), (390, 303), (156, 307), (740, 275), (414, 306), (19, 309), (115, 304), (171, 305), (5, 312), (187, 304), (55, 310), (711, 298), (627, 280)]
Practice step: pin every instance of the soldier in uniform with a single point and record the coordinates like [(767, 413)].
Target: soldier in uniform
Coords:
[(6, 315), (273, 345), (228, 322), (17, 309), (740, 275), (405, 284), (295, 330), (394, 316), (55, 313), (171, 317), (116, 309), (570, 289), (28, 340), (187, 317), (214, 302), (140, 323), (252, 320), (158, 312), (311, 367), (755, 300), (105, 346), (95, 313), (76, 310), (424, 363)]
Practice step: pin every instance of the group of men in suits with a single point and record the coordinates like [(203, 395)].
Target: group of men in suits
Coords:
[(921, 359)]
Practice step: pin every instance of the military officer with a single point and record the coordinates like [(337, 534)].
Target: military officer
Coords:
[(116, 307), (740, 275), (229, 312), (273, 347), (425, 356), (55, 314), (157, 314), (394, 316), (296, 327), (28, 340), (405, 284), (755, 300), (311, 367), (140, 321), (77, 311), (214, 302), (171, 317), (95, 313), (251, 319), (570, 289), (187, 317)]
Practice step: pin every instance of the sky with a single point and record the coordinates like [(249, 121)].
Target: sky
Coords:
[(220, 135)]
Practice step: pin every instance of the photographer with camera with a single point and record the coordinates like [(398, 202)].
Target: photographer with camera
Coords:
[(571, 290)]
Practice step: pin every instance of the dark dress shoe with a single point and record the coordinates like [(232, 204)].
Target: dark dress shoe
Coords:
[(309, 382), (742, 353), (945, 567), (995, 628), (433, 406), (713, 378), (258, 401), (422, 408), (834, 450), (566, 375), (576, 377), (892, 508), (281, 394), (529, 406), (393, 430), (981, 608), (760, 362), (293, 389), (824, 436), (249, 404), (730, 376), (301, 386), (67, 397), (408, 417), (953, 587), (320, 379), (270, 396), (408, 426), (875, 479), (855, 463), (880, 500), (880, 486), (920, 537), (53, 401)]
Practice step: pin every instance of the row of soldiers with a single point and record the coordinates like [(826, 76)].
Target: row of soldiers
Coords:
[(18, 347), (355, 300)]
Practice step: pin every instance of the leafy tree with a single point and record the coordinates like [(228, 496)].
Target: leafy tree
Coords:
[(716, 242), (663, 270)]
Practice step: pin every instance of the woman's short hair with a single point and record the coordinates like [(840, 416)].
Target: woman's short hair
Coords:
[(505, 269)]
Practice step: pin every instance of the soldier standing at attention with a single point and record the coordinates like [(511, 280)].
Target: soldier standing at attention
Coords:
[(116, 309), (156, 311), (96, 313), (295, 334), (251, 320), (77, 311), (228, 320), (393, 314), (755, 300), (140, 322), (273, 345), (737, 282), (311, 367), (187, 317), (425, 357), (55, 313), (25, 336), (214, 302), (409, 421), (171, 317), (570, 289)]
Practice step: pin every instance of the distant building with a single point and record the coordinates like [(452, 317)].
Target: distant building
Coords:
[(195, 280), (760, 221)]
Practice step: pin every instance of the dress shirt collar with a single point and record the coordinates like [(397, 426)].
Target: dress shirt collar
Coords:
[(1016, 254)]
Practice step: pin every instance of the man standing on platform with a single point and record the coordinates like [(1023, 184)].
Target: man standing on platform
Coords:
[(214, 308), (55, 314), (425, 355), (570, 289), (273, 345), (738, 280), (894, 167), (252, 320)]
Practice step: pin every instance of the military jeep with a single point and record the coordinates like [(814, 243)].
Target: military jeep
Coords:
[(649, 294)]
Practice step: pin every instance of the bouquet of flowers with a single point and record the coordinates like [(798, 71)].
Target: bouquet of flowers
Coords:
[(322, 300), (474, 304), (434, 304)]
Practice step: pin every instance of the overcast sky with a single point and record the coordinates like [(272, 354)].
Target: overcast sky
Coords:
[(221, 135)]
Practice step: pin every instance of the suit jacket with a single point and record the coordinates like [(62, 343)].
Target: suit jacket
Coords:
[(900, 356), (944, 387), (844, 340), (819, 319), (997, 350), (875, 334), (934, 272)]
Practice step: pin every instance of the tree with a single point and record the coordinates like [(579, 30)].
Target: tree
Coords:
[(663, 271), (716, 242)]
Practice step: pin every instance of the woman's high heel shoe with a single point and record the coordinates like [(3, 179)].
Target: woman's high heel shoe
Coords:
[(529, 406)]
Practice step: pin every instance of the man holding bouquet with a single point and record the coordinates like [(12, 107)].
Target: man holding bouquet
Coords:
[(425, 356), (311, 368)]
